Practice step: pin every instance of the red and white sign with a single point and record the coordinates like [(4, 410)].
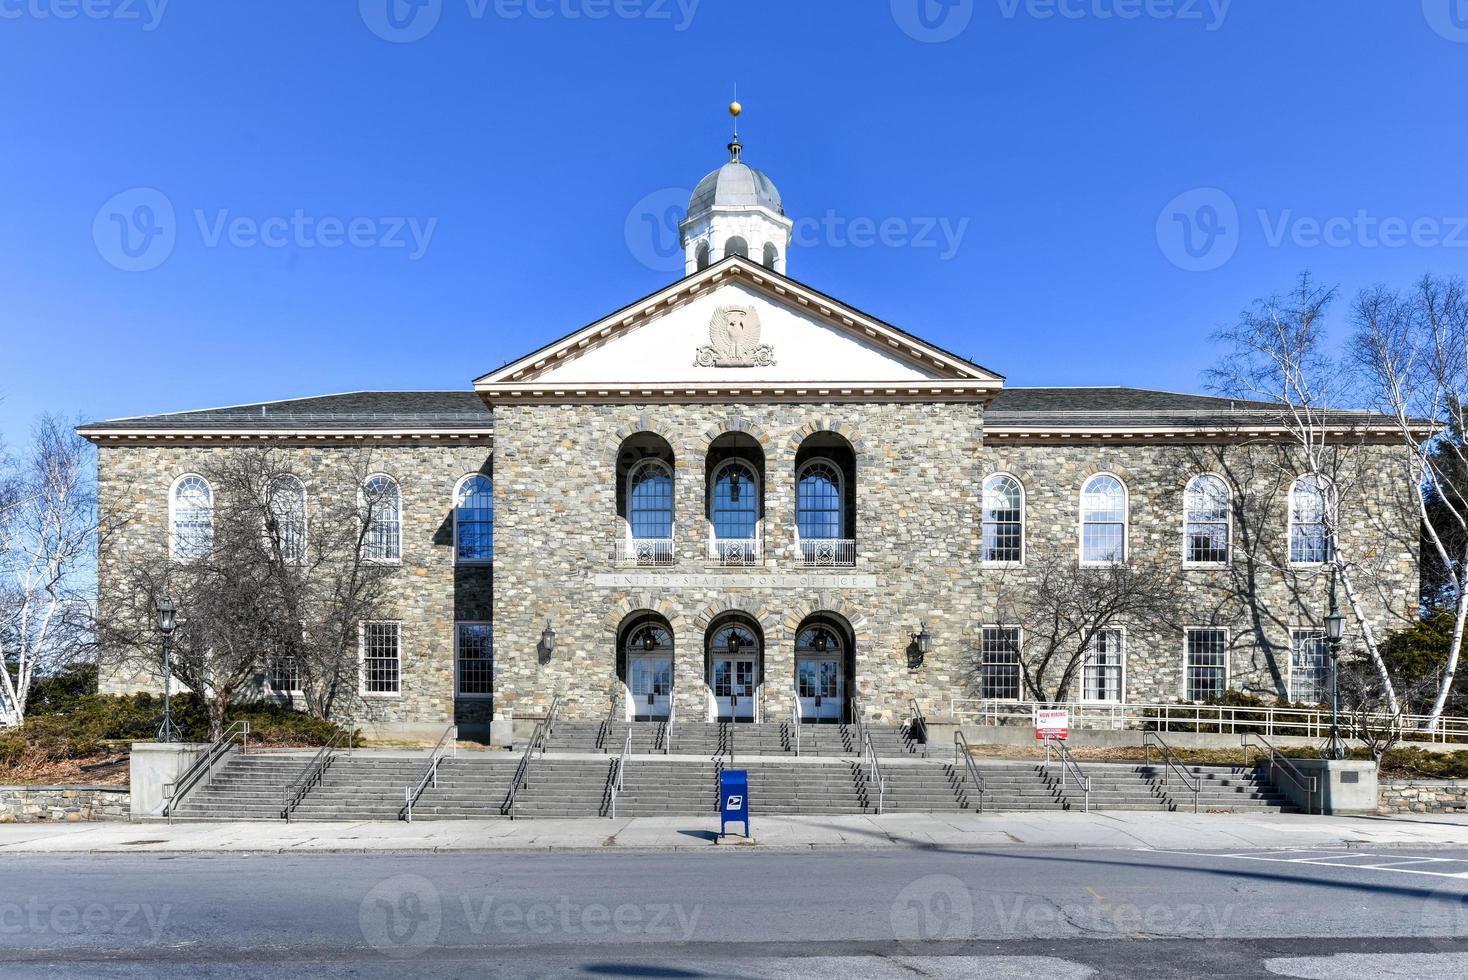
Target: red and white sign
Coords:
[(1052, 724)]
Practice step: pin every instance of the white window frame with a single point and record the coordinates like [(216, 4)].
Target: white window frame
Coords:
[(1330, 523), (1228, 541), (759, 498), (305, 516), (1024, 513), (173, 517), (1309, 632), (362, 503), (362, 659), (456, 500), (1019, 647), (1126, 522), (294, 692), (672, 474), (458, 633), (844, 534), (1121, 668), (1187, 662)]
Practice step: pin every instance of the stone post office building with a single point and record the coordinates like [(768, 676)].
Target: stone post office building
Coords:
[(740, 498)]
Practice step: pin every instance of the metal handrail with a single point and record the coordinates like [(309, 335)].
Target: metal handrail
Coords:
[(919, 721), (668, 725), (203, 766), (522, 770), (960, 748), (621, 768), (869, 752), (1306, 783), (312, 773), (430, 772), (1068, 763), (1172, 762), (796, 716)]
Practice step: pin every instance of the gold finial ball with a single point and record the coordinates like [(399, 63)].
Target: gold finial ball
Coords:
[(735, 109)]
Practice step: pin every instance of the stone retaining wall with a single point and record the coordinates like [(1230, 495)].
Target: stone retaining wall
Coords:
[(1424, 796), (31, 804)]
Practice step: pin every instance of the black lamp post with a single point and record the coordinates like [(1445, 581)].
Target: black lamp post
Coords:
[(167, 619), (1335, 629)]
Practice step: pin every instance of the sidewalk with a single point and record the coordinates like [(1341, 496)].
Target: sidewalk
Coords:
[(789, 833)]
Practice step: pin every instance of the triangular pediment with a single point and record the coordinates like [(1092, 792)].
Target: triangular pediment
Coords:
[(734, 328)]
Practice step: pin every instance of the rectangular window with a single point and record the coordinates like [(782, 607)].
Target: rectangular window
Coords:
[(284, 674), (475, 658), (999, 672), (381, 661), (1207, 664), (1101, 675), (1309, 666)]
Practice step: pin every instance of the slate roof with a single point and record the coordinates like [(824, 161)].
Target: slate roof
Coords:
[(456, 410)]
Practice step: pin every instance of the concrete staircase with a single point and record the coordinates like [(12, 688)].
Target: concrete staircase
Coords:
[(718, 740), (245, 787)]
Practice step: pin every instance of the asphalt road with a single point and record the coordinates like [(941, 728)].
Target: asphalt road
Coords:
[(1006, 912)]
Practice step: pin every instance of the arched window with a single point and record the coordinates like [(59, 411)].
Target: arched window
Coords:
[(650, 500), (191, 518), (736, 246), (734, 505), (772, 255), (1206, 521), (474, 519), (1103, 519), (819, 506), (287, 529), (701, 255), (382, 512), (1310, 542), (1004, 520)]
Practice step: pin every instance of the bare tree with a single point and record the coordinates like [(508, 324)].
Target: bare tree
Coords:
[(48, 536), (1278, 354), (1413, 350), (1369, 714), (274, 600), (1062, 607)]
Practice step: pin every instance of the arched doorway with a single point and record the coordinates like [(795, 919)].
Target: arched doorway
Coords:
[(646, 646), (824, 664), (735, 656)]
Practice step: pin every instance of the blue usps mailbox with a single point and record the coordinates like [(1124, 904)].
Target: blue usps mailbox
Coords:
[(733, 799)]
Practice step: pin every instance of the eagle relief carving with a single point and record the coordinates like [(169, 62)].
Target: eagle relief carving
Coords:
[(734, 340)]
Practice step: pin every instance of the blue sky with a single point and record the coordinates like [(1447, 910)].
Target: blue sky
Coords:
[(1071, 189)]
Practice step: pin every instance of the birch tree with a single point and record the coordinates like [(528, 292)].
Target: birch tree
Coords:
[(1412, 348), (1277, 353), (48, 537)]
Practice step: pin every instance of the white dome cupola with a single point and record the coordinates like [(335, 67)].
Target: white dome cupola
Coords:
[(736, 210)]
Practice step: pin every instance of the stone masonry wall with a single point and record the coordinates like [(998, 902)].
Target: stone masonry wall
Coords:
[(429, 591), (31, 804), (1424, 796)]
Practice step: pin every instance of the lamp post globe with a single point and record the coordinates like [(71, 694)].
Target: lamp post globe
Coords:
[(166, 616)]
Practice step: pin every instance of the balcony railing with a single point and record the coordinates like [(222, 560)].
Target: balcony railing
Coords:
[(736, 551), (827, 552), (643, 552)]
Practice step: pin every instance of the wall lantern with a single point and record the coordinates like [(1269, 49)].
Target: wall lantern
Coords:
[(548, 638), (166, 614), (733, 642), (922, 639), (734, 486), (819, 643), (649, 642)]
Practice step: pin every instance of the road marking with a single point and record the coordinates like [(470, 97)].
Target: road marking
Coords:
[(1338, 859)]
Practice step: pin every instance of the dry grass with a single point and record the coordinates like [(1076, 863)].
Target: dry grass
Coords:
[(34, 769)]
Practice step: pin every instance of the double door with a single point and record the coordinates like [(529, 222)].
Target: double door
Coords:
[(734, 682), (818, 685), (650, 682)]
